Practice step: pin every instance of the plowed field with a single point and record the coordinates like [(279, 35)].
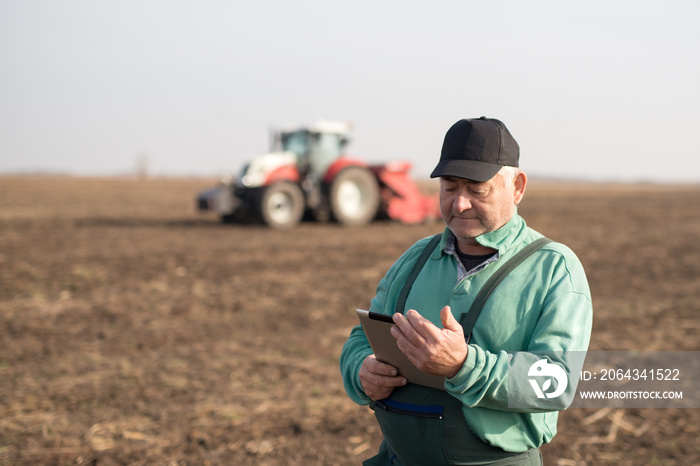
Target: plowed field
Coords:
[(134, 330)]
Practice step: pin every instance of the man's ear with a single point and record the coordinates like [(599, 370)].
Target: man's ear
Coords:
[(519, 187)]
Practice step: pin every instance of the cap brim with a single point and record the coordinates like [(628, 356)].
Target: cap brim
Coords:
[(468, 169)]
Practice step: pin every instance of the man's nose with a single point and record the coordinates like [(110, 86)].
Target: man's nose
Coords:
[(462, 202)]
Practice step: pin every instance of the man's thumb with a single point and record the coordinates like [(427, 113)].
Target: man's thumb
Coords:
[(448, 320)]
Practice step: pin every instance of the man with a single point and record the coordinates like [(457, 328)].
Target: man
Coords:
[(542, 306)]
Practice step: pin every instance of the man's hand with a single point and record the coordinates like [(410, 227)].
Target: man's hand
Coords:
[(440, 351), (379, 379)]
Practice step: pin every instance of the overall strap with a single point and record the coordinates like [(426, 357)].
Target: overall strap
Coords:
[(468, 319), (422, 259)]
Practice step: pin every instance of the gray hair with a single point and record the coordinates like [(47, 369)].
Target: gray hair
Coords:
[(509, 174)]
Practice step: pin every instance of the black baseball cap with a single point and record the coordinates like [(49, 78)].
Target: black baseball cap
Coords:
[(476, 149)]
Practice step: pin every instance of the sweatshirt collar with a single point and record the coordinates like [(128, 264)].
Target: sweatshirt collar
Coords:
[(500, 239)]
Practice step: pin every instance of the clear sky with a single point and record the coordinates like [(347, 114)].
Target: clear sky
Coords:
[(599, 90)]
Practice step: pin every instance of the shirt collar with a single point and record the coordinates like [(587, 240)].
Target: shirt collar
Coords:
[(500, 239), (450, 248), (504, 237)]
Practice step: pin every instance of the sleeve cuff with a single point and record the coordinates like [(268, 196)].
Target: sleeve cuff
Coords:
[(461, 377)]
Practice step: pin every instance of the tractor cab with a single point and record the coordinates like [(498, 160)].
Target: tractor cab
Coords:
[(316, 146)]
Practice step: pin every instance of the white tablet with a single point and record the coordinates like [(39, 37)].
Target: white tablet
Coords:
[(377, 327)]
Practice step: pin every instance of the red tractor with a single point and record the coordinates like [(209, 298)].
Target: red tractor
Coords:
[(307, 173)]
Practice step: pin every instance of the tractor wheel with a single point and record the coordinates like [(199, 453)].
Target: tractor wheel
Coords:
[(282, 205), (354, 196)]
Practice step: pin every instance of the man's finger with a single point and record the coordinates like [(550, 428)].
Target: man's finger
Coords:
[(422, 326), (403, 328), (448, 320), (375, 382), (377, 367)]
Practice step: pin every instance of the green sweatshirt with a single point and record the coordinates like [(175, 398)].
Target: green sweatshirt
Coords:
[(544, 305)]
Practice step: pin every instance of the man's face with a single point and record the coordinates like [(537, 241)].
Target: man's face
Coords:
[(471, 208)]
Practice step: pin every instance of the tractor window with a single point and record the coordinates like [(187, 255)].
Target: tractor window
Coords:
[(297, 142), (327, 147)]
